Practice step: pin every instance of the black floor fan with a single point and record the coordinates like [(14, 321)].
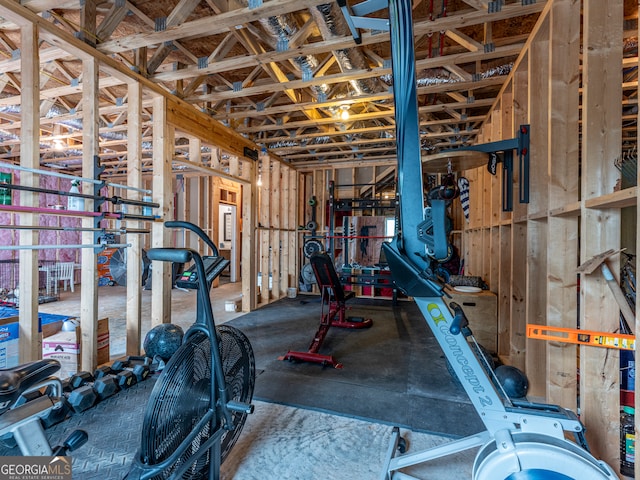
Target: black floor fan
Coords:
[(200, 402)]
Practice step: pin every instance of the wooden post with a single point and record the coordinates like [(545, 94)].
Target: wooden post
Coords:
[(163, 141), (134, 253), (203, 192), (30, 347), (536, 298), (263, 228), (249, 243), (292, 212), (274, 223), (89, 271), (518, 294), (195, 155), (562, 234)]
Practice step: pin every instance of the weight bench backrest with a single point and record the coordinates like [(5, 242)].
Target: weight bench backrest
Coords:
[(327, 277)]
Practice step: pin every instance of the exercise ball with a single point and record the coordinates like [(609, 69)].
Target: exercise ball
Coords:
[(513, 380), (163, 341)]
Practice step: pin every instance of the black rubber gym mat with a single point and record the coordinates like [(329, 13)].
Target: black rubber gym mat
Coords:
[(394, 372), (114, 427)]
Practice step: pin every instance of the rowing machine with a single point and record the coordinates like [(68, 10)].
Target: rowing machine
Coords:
[(522, 440)]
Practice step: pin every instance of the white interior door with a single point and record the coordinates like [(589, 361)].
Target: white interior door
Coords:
[(227, 236)]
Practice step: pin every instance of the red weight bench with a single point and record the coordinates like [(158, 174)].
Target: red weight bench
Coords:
[(334, 299)]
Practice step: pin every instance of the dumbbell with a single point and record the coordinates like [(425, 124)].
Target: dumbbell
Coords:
[(104, 386), (124, 379), (82, 398), (57, 415), (138, 366), (86, 390), (79, 379)]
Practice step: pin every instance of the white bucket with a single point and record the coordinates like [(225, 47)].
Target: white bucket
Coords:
[(292, 292)]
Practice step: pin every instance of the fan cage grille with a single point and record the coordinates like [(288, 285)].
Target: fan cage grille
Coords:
[(182, 396)]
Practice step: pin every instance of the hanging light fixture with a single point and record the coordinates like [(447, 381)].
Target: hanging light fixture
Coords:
[(344, 114)]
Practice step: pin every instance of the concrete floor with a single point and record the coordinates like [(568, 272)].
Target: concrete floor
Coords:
[(112, 301)]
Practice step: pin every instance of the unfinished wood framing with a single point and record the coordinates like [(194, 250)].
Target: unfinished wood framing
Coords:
[(249, 270), (134, 253), (563, 188), (163, 134), (169, 113), (276, 242), (528, 257), (88, 275), (29, 344), (569, 217), (600, 228)]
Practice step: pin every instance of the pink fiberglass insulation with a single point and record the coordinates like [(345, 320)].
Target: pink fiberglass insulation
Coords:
[(50, 200), (6, 236), (45, 237)]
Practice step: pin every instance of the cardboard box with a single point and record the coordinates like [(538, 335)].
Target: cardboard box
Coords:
[(9, 333), (66, 347), (62, 346), (103, 341), (233, 305), (9, 339)]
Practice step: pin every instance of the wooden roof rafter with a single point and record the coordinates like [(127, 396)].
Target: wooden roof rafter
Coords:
[(225, 66)]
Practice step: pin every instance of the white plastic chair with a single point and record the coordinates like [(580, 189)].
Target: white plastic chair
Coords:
[(63, 272)]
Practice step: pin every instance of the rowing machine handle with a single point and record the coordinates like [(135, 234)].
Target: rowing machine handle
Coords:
[(459, 321), (176, 255), (196, 229)]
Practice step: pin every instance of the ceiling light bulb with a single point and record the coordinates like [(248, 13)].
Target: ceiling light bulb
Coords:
[(58, 145), (344, 114), (259, 182)]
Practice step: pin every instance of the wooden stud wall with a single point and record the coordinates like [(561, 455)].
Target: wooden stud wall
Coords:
[(600, 228), (573, 213), (276, 231), (537, 230), (563, 189), (170, 113)]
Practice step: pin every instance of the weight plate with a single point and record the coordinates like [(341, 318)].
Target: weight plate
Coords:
[(312, 225), (311, 247), (307, 274), (308, 277), (313, 201)]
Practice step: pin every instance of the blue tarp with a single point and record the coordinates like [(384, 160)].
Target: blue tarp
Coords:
[(44, 318)]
